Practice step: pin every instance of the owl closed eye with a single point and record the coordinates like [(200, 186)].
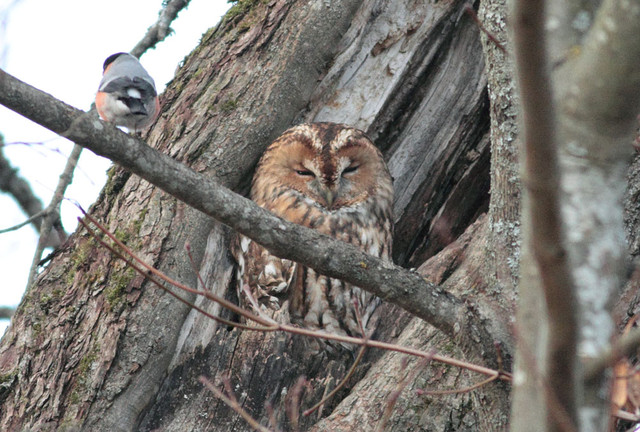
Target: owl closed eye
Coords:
[(332, 178)]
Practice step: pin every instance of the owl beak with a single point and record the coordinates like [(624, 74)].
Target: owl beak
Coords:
[(329, 197)]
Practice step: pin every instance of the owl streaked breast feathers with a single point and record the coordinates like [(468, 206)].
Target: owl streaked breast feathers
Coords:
[(328, 177)]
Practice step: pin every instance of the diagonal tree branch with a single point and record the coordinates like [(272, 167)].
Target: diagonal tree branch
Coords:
[(287, 240), (160, 30)]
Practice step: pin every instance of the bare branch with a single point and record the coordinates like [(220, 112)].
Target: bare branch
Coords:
[(556, 412), (6, 312), (474, 16), (285, 239), (395, 394), (623, 347), (23, 223), (18, 187), (457, 391), (624, 415), (52, 210), (341, 384), (20, 190), (542, 207), (601, 86), (160, 30), (231, 401)]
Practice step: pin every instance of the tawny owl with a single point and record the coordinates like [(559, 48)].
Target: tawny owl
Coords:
[(332, 178)]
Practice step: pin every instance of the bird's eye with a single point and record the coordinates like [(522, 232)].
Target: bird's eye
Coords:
[(305, 173), (350, 169)]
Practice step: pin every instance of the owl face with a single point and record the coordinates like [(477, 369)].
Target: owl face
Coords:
[(334, 166)]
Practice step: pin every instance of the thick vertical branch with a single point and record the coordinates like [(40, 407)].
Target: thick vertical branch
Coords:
[(542, 207)]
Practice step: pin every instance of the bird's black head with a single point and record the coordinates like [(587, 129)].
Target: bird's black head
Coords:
[(111, 59)]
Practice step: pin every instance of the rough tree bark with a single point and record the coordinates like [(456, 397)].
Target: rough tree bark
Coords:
[(95, 347)]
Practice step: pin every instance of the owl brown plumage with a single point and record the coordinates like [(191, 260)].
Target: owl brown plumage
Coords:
[(332, 178)]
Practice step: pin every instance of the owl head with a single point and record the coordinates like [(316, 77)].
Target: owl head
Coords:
[(333, 165)]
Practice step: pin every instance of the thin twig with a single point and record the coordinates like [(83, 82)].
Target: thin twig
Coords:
[(53, 210), (395, 395), (271, 415), (456, 391), (225, 303), (498, 347), (356, 310), (192, 262), (37, 145), (292, 408), (472, 13), (625, 415), (254, 303), (21, 191), (6, 312), (341, 384), (23, 223), (233, 404), (624, 346)]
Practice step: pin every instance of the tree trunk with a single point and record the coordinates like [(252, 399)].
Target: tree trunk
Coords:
[(95, 347)]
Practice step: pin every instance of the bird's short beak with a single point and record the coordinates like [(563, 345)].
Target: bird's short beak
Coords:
[(329, 197)]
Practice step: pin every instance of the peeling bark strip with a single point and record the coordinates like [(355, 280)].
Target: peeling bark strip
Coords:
[(134, 362)]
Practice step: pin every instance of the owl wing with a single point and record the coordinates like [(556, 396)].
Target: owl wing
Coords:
[(261, 275)]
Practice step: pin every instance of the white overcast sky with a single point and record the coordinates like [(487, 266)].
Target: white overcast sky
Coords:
[(59, 47)]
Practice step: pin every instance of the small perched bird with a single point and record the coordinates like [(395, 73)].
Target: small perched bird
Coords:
[(127, 94)]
